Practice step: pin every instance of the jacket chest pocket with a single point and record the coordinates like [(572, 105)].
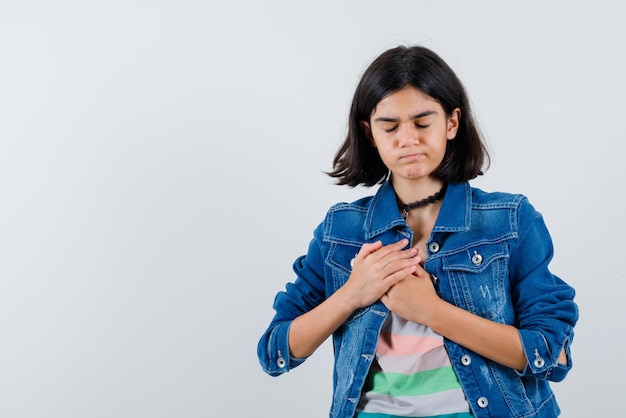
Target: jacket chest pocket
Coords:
[(339, 260), (478, 278)]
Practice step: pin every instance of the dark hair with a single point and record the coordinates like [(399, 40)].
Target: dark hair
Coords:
[(357, 161)]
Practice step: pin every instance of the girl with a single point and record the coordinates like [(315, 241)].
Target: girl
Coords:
[(438, 295)]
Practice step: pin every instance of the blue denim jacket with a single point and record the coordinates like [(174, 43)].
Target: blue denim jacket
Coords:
[(489, 253)]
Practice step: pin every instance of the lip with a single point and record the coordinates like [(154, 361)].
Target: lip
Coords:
[(413, 156)]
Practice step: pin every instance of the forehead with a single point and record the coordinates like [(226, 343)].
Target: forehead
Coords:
[(407, 100)]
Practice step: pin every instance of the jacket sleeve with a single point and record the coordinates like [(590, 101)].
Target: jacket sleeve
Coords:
[(545, 307), (299, 297)]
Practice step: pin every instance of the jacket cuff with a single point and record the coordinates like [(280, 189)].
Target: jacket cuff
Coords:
[(279, 360), (541, 362)]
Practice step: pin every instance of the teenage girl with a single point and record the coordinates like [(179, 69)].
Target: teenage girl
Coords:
[(438, 295)]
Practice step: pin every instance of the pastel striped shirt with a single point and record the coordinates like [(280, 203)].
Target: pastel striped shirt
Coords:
[(411, 376)]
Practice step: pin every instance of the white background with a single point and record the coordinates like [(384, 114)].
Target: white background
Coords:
[(161, 168)]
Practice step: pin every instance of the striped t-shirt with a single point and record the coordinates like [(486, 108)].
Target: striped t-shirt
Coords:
[(411, 376)]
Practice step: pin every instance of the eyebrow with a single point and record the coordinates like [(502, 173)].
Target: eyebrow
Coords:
[(419, 115)]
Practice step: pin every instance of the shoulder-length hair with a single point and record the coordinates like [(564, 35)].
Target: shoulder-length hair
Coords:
[(357, 161)]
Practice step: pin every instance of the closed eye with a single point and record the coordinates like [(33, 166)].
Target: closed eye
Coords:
[(389, 130), (421, 126)]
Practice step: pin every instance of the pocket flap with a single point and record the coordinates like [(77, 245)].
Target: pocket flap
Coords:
[(475, 258)]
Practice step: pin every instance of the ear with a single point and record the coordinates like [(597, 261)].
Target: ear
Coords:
[(453, 121), (368, 132)]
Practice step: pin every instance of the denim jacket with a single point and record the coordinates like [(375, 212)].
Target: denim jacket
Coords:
[(488, 254)]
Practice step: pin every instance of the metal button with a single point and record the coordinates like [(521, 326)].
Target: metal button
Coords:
[(477, 259), (433, 247), (482, 402), (280, 361), (466, 360), (434, 278), (538, 362), (352, 263)]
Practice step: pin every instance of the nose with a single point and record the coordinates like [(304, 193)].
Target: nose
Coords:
[(407, 135)]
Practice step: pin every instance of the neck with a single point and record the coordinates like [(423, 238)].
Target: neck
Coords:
[(425, 204), (411, 191)]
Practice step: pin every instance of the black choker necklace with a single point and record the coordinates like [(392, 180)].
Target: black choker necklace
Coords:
[(421, 203)]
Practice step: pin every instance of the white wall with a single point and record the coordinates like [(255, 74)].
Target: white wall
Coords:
[(160, 169)]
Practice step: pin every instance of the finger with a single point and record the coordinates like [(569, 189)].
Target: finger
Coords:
[(389, 261), (385, 299), (421, 271), (399, 275), (398, 245), (383, 251), (369, 248)]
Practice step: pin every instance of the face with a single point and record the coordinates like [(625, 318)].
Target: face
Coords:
[(410, 131)]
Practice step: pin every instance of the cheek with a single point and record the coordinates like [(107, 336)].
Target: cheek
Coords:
[(441, 144), (385, 151)]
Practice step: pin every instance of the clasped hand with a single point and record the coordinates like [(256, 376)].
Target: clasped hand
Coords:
[(394, 276)]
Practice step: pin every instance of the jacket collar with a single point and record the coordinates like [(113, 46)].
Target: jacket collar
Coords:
[(383, 213), (455, 212)]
